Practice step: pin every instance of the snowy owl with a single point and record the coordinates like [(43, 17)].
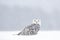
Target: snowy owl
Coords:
[(31, 29)]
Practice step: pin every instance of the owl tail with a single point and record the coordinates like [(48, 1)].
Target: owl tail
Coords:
[(17, 34)]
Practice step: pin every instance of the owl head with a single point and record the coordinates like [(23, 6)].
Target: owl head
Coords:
[(36, 21)]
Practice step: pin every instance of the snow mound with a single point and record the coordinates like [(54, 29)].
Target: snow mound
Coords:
[(42, 35)]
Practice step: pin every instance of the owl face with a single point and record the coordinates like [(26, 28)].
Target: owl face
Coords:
[(37, 21)]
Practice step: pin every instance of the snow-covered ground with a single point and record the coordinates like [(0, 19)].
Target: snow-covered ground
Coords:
[(42, 35)]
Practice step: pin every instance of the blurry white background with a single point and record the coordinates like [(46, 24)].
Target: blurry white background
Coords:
[(15, 14)]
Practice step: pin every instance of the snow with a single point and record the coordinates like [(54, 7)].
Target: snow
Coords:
[(42, 35)]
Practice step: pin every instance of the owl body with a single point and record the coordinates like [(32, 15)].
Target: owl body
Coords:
[(30, 30)]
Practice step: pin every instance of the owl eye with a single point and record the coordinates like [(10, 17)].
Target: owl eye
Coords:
[(38, 20), (34, 20)]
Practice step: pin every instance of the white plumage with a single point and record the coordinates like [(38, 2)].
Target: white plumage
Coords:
[(31, 29)]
